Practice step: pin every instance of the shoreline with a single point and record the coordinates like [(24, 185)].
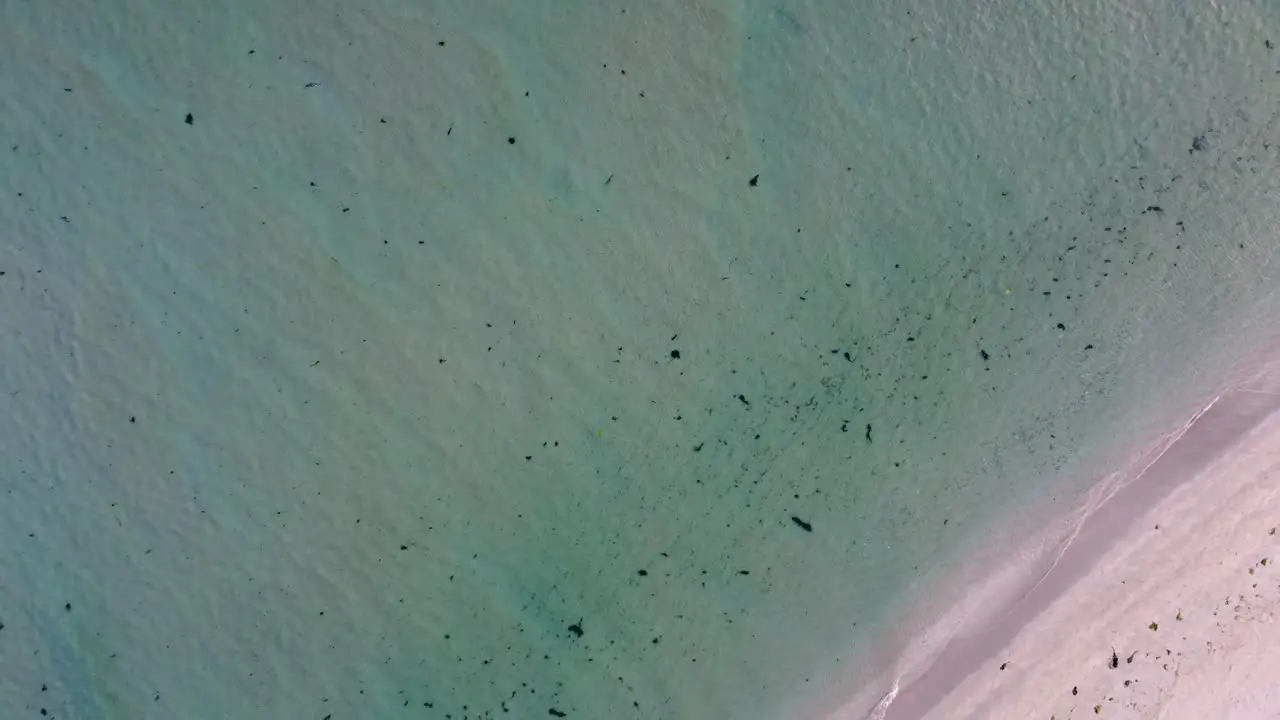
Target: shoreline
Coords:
[(1216, 432), (1015, 591)]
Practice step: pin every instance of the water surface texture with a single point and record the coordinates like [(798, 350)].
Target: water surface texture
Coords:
[(589, 360)]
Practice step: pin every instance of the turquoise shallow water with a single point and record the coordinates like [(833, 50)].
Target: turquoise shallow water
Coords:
[(606, 360)]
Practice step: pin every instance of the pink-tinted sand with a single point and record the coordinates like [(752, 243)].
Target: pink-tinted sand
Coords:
[(1153, 567)]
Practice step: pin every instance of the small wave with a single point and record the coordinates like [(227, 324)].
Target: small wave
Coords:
[(882, 707)]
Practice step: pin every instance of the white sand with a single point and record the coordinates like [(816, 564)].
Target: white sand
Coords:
[(1186, 598), (1200, 567)]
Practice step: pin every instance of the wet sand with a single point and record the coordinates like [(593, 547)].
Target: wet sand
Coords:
[(1170, 570)]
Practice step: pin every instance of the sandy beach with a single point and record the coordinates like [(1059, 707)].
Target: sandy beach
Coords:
[(1160, 612), (1161, 603)]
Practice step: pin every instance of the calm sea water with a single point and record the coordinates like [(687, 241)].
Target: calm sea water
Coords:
[(637, 360)]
